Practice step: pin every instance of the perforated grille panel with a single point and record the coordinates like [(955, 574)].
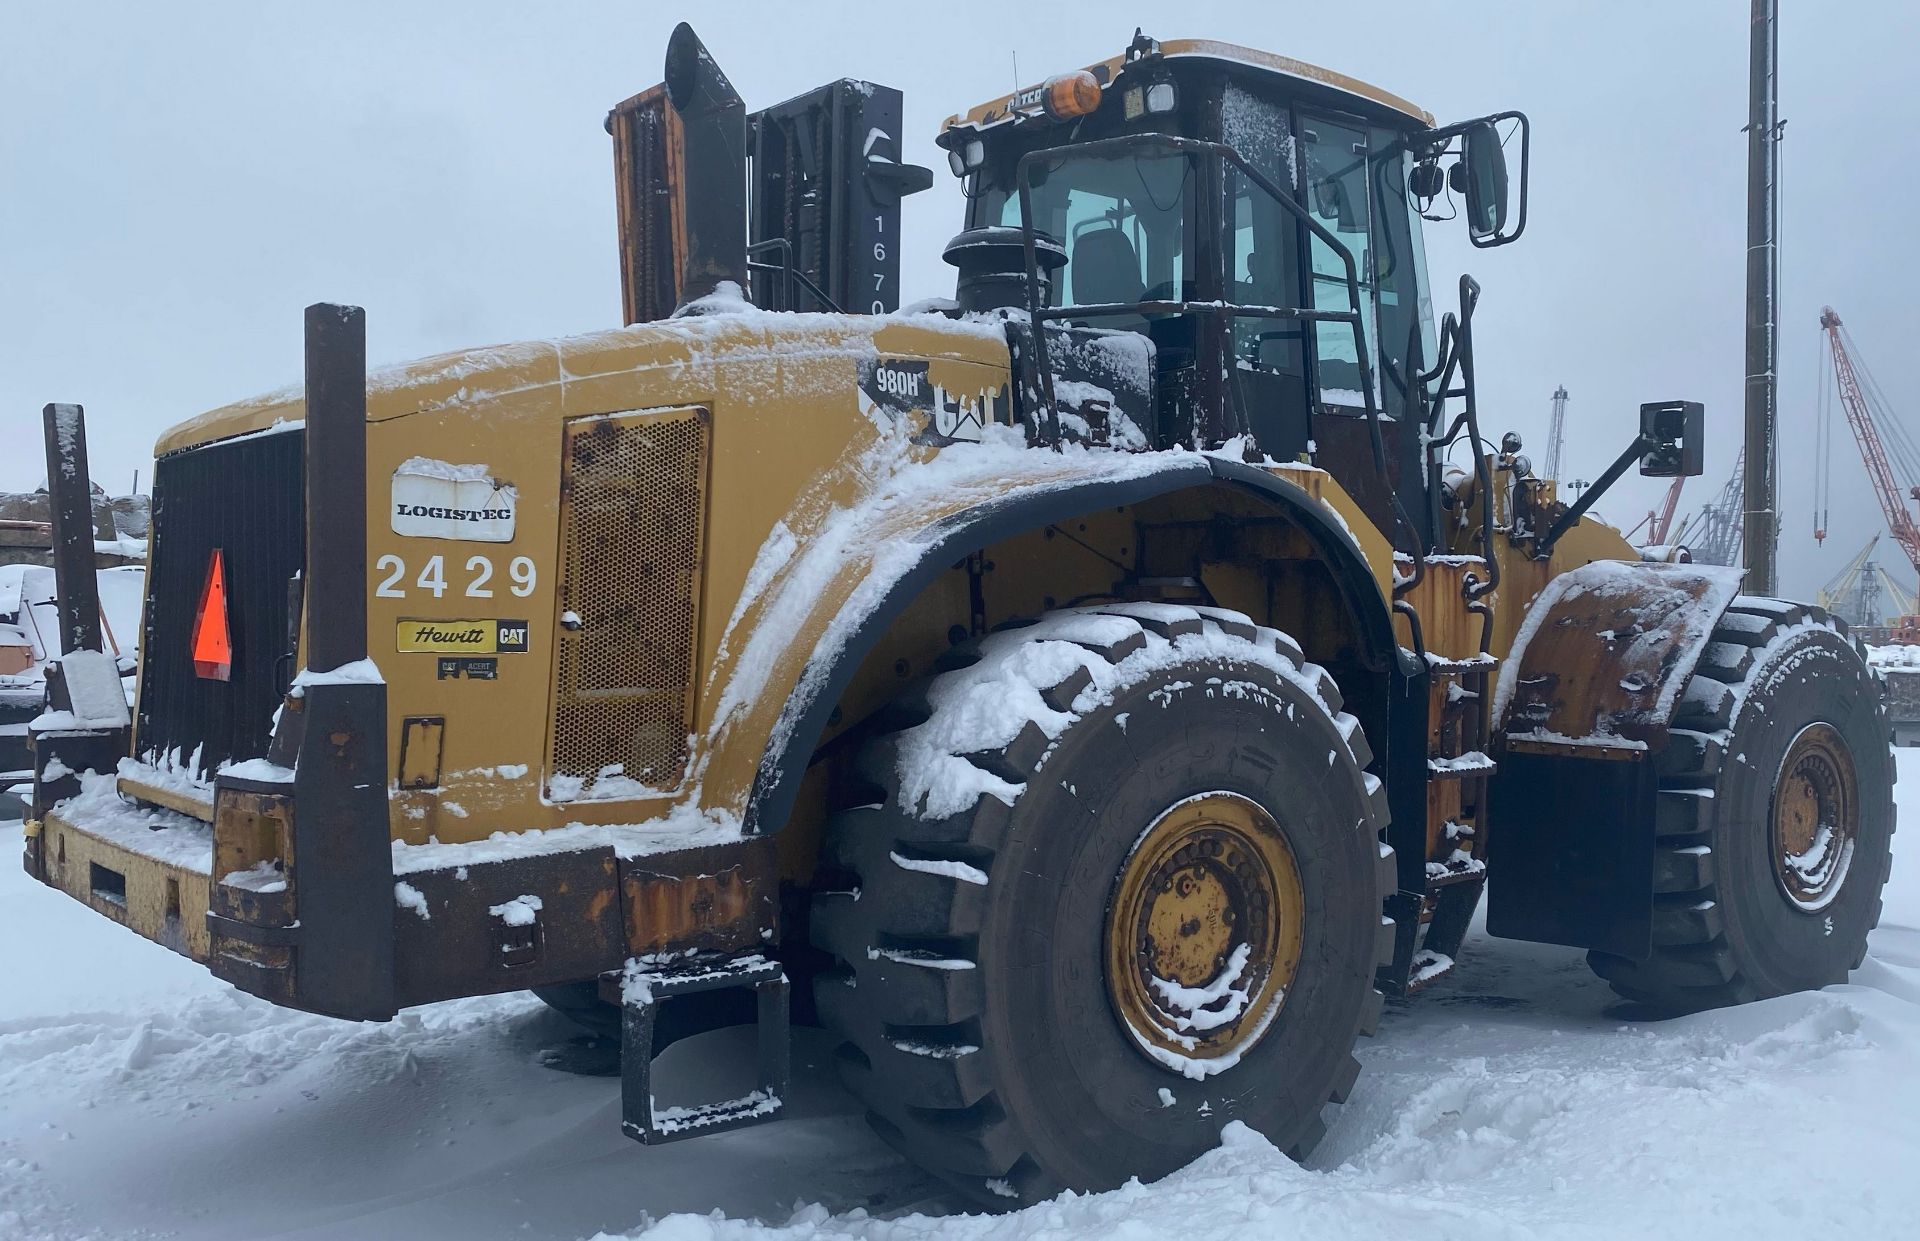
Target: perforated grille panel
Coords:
[(632, 523)]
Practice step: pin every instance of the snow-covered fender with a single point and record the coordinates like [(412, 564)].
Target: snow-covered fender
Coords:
[(1604, 652), (1585, 697), (866, 617)]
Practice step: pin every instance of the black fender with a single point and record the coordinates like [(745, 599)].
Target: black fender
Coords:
[(802, 724)]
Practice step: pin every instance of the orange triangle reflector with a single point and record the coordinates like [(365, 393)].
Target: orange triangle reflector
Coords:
[(212, 641)]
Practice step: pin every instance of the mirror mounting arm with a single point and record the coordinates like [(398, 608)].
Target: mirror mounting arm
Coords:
[(1669, 445), (1641, 446)]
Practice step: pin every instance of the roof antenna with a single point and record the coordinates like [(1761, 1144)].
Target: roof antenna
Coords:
[(1016, 70)]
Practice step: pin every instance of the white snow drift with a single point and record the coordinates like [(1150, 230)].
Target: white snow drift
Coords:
[(1515, 1098)]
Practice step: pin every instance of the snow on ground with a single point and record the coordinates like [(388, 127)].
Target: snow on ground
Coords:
[(139, 1098)]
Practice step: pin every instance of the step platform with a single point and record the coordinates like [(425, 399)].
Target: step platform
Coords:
[(644, 986)]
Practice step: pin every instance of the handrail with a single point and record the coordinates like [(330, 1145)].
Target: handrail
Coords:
[(791, 273), (1456, 354)]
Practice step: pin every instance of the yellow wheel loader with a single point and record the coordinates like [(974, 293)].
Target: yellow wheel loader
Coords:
[(1084, 696)]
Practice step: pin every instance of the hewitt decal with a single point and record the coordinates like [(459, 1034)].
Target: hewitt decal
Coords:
[(461, 637)]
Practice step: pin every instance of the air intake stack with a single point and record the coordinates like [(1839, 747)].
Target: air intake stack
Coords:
[(822, 172), (713, 129)]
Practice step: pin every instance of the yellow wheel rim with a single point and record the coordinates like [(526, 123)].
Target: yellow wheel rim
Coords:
[(1816, 817), (1203, 932)]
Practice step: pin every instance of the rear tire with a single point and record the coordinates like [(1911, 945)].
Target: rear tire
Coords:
[(580, 1003), (682, 1016), (971, 920), (1774, 819)]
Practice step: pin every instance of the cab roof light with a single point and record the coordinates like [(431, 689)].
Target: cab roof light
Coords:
[(1150, 99), (1068, 95), (965, 154), (212, 639)]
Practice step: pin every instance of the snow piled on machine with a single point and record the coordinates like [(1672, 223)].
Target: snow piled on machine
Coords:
[(151, 831)]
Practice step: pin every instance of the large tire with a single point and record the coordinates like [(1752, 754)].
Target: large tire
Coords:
[(683, 1016), (971, 925), (580, 1003), (1734, 920)]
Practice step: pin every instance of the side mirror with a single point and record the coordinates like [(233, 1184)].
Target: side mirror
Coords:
[(1675, 431), (1484, 166), (1496, 200)]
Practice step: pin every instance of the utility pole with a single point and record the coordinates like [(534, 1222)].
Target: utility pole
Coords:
[(1761, 523), (1556, 432)]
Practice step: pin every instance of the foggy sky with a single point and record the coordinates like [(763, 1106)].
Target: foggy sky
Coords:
[(177, 187)]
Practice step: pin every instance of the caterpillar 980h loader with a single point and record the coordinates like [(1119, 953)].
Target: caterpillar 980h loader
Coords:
[(1089, 694)]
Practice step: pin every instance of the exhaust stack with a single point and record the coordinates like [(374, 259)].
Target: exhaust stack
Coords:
[(713, 170)]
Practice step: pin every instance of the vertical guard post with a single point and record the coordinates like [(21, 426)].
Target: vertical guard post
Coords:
[(70, 499), (94, 743), (343, 861)]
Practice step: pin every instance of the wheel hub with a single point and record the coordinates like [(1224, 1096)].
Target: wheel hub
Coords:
[(1203, 932), (1816, 817)]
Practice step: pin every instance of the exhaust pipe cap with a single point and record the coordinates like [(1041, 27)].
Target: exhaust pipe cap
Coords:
[(692, 75)]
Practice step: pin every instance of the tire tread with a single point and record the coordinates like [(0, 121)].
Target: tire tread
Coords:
[(942, 1111)]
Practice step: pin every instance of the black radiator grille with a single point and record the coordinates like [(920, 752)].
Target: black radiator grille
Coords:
[(246, 497)]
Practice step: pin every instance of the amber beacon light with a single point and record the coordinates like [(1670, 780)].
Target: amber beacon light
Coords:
[(1071, 94)]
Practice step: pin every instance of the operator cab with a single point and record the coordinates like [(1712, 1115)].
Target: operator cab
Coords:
[(1197, 254)]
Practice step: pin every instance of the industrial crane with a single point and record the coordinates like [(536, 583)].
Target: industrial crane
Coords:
[(1862, 399), (1556, 432), (1714, 534), (1856, 592), (1659, 522)]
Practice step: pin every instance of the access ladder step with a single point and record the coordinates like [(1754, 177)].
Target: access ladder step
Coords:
[(1460, 767), (1450, 874), (1429, 967), (1443, 665), (644, 986)]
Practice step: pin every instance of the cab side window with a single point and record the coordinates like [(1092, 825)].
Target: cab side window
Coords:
[(1263, 237), (1335, 189), (1124, 226)]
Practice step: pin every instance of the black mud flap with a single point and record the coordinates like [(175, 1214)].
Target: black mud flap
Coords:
[(1571, 851), (643, 987)]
